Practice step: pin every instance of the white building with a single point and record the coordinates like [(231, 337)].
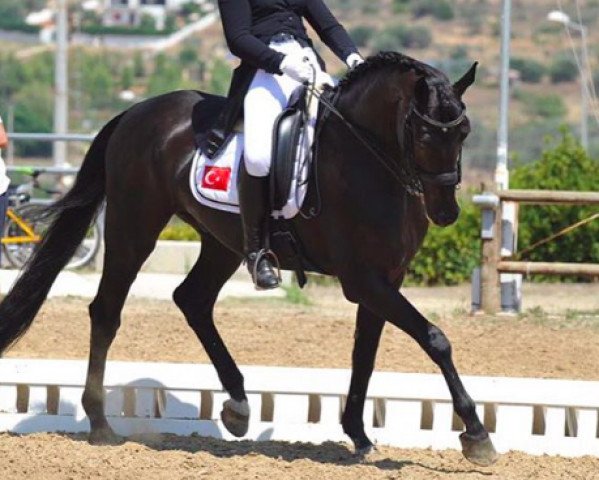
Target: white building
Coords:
[(130, 12)]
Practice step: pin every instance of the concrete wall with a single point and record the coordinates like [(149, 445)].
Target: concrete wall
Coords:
[(167, 257), (179, 258)]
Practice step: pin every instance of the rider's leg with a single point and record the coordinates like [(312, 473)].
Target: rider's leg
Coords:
[(267, 97)]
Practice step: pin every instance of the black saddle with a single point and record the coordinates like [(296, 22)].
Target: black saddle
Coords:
[(286, 134)]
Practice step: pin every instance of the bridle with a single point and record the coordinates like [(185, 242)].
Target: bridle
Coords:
[(449, 179), (411, 176)]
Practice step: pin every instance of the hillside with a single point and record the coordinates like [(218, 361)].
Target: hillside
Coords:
[(541, 101), (449, 34)]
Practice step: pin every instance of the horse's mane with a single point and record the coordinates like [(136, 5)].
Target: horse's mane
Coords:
[(389, 59)]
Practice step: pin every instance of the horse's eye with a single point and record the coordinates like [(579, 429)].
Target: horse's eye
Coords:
[(464, 131)]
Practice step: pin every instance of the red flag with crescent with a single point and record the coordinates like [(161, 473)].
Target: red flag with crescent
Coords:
[(216, 178)]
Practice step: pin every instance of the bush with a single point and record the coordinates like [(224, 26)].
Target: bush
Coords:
[(220, 77), (563, 69), (180, 232), (565, 167), (361, 35), (400, 6), (530, 70), (449, 254), (166, 77), (386, 41), (34, 105), (439, 9), (417, 37), (544, 106), (399, 36)]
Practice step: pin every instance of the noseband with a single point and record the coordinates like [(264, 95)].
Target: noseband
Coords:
[(445, 179), (410, 176)]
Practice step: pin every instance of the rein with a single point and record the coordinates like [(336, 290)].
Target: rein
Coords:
[(410, 178)]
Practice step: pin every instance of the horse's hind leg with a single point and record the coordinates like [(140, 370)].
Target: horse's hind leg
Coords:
[(366, 342), (131, 233), (196, 297)]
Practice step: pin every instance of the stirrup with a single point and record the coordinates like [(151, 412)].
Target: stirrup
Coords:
[(212, 143), (260, 254)]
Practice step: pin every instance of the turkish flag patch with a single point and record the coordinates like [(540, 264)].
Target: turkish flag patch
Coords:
[(216, 178)]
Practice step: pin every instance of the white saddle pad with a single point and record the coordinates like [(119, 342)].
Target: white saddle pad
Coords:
[(214, 182)]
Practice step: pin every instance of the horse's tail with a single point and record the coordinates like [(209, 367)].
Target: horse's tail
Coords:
[(71, 217)]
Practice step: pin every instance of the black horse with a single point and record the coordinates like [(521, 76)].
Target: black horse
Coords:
[(401, 131)]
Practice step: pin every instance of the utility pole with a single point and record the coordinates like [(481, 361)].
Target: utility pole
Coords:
[(61, 82), (501, 170)]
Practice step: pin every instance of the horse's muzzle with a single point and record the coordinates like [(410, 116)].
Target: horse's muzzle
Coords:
[(444, 218)]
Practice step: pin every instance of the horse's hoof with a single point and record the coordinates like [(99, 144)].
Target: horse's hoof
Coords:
[(366, 453), (105, 436), (478, 451), (236, 417)]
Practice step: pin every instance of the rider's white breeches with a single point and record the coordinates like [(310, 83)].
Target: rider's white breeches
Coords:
[(268, 95)]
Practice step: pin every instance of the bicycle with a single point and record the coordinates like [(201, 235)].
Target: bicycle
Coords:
[(25, 224)]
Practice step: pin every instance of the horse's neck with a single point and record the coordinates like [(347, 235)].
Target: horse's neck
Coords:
[(372, 109)]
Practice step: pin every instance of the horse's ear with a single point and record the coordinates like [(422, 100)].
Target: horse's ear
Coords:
[(463, 83), (421, 91)]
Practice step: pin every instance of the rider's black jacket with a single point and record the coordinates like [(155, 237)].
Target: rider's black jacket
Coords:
[(250, 24)]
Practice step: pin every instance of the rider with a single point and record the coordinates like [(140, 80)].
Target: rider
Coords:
[(277, 56)]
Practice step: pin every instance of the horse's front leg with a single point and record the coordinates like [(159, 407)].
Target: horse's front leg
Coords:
[(379, 296), (366, 342)]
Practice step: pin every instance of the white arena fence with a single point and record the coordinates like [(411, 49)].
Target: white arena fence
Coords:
[(556, 417)]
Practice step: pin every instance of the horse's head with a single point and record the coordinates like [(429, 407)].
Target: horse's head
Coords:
[(435, 128)]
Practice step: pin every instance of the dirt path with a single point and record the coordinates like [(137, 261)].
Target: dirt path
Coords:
[(551, 340), (275, 332)]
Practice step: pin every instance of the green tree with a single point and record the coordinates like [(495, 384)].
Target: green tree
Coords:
[(398, 36), (188, 56), (12, 16), (565, 167), (147, 23), (530, 70), (170, 23), (139, 67), (98, 82), (40, 68), (448, 255), (12, 75), (12, 11), (34, 106), (542, 105), (361, 34), (439, 9), (127, 78), (563, 69), (167, 76), (191, 8), (220, 77)]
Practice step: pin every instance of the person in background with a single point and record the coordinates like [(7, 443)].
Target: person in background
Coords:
[(4, 181)]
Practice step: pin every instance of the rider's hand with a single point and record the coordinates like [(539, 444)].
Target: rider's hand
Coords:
[(354, 60), (298, 67), (323, 78)]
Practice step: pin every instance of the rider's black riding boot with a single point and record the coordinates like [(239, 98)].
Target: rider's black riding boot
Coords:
[(253, 202)]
